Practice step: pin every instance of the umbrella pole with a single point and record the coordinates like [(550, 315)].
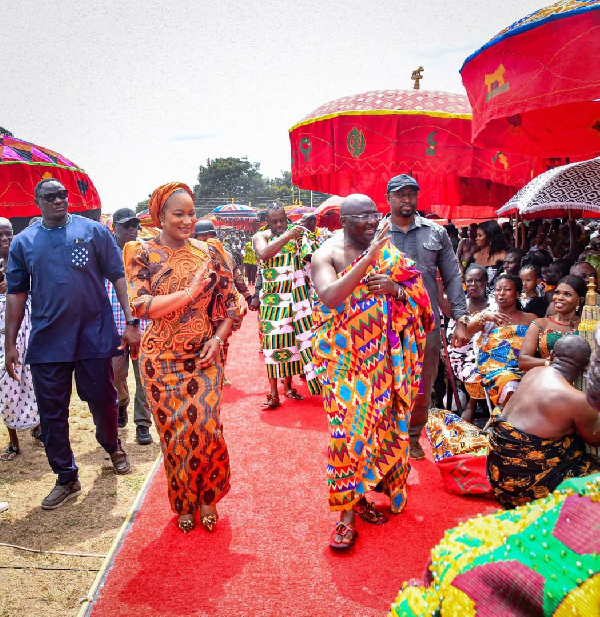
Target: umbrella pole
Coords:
[(517, 229)]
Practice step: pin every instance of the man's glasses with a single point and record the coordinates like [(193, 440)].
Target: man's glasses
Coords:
[(51, 197), (372, 216)]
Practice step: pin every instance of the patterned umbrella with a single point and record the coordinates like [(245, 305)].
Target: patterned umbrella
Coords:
[(355, 144), (233, 211), (535, 87), (572, 190), (297, 212), (23, 165)]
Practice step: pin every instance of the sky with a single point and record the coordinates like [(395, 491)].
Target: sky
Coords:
[(140, 93)]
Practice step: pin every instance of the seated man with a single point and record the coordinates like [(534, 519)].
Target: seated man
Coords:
[(538, 439)]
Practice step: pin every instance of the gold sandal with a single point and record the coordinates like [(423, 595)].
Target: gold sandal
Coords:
[(209, 521), (186, 525)]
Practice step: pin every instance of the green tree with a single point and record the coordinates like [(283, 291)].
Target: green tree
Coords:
[(4, 131), (230, 178), (143, 205)]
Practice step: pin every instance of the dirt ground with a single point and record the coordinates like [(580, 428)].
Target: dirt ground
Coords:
[(87, 524)]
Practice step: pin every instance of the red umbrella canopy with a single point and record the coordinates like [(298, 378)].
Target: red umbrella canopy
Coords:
[(535, 87), (23, 165), (356, 144)]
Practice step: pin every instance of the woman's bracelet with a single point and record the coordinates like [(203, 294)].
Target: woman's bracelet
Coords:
[(187, 291), (221, 343), (480, 318)]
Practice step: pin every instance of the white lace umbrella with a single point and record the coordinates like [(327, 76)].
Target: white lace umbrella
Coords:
[(570, 190)]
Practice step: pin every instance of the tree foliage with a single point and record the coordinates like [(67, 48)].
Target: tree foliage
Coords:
[(4, 131), (142, 205)]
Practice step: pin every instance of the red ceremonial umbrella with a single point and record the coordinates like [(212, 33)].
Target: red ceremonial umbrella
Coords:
[(535, 87), (356, 144), (23, 165)]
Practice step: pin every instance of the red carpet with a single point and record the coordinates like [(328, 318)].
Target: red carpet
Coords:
[(269, 554)]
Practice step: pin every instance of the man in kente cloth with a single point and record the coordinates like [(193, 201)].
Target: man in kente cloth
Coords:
[(371, 320), (285, 309), (538, 439)]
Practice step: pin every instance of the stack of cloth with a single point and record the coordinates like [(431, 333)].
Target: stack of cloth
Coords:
[(460, 453)]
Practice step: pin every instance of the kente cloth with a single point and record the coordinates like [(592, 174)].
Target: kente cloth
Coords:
[(18, 407), (185, 399), (160, 195), (538, 559), (249, 256), (286, 316), (450, 435), (498, 360), (548, 339), (368, 354), (523, 467)]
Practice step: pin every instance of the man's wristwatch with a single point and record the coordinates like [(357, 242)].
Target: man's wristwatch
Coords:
[(133, 322), (465, 320)]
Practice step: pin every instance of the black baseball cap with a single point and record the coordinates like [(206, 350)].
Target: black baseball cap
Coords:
[(124, 215), (399, 182)]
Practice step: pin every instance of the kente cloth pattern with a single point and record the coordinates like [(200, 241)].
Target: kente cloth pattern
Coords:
[(450, 435), (539, 559), (523, 467), (18, 407), (498, 360), (369, 353), (286, 316), (185, 399), (159, 197)]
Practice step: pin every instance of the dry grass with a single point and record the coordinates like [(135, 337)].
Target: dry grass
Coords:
[(87, 524)]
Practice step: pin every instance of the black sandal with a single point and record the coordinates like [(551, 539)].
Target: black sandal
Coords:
[(10, 453)]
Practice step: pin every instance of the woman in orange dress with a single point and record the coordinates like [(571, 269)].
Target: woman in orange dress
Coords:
[(184, 287)]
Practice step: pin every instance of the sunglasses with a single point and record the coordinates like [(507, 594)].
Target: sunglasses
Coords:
[(372, 216), (51, 197)]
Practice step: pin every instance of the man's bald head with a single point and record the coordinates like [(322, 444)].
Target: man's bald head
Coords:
[(584, 270), (4, 222), (573, 350), (356, 204)]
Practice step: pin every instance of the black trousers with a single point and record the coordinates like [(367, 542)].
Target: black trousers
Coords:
[(53, 384)]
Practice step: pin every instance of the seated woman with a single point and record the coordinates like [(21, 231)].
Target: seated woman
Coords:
[(543, 333), (491, 252), (500, 343), (463, 360), (538, 439)]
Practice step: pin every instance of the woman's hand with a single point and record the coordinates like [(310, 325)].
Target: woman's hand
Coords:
[(209, 352), (498, 318), (197, 285)]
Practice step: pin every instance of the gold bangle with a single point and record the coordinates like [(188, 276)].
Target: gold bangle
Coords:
[(547, 363), (187, 291)]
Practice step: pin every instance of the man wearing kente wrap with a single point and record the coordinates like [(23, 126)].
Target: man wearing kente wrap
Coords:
[(371, 319), (538, 439), (285, 309)]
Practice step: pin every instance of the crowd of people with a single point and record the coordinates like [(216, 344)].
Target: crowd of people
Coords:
[(369, 317)]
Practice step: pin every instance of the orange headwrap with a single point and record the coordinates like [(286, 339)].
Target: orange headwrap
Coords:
[(160, 196)]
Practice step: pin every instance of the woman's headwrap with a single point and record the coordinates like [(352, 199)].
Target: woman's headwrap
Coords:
[(159, 197)]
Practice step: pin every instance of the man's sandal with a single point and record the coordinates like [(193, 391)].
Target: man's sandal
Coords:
[(272, 401), (347, 536), (293, 394), (369, 514), (36, 433), (10, 453)]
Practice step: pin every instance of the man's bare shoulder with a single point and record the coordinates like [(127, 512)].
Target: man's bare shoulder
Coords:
[(265, 234)]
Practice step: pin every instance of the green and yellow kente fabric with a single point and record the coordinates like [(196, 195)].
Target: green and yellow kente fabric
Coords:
[(286, 316)]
